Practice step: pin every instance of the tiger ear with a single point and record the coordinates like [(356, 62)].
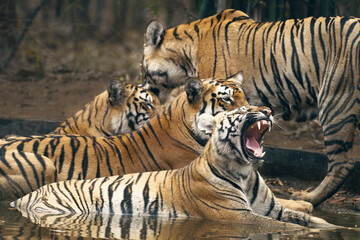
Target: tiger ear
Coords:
[(117, 93), (154, 33), (238, 77), (194, 89)]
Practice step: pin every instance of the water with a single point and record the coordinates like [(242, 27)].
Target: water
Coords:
[(15, 226)]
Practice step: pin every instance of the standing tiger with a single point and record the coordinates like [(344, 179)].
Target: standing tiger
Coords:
[(170, 140), (118, 110), (221, 184), (299, 68)]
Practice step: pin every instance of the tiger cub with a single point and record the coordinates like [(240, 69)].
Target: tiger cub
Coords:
[(118, 110), (170, 140), (221, 184)]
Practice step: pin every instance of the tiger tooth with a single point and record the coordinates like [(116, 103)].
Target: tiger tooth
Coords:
[(259, 125), (263, 154)]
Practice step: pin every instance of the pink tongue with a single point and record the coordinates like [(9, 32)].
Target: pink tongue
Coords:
[(254, 146)]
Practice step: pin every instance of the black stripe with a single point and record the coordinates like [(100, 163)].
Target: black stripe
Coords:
[(108, 159), (35, 146), (79, 193), (215, 53), (218, 175), (146, 195), (61, 158), (262, 96), (36, 176), (74, 143), (154, 206), (271, 207), (126, 148), (255, 190), (126, 203), (65, 185), (266, 84), (196, 28), (295, 61), (279, 216), (176, 35), (313, 49), (148, 150), (187, 34), (3, 159), (13, 184), (225, 67), (152, 130), (140, 149)]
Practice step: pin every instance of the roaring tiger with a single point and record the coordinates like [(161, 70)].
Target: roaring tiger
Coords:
[(118, 110), (300, 68), (170, 140), (221, 184)]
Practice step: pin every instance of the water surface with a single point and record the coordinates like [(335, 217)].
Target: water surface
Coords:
[(15, 226)]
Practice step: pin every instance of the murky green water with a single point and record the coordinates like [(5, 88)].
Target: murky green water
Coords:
[(15, 226)]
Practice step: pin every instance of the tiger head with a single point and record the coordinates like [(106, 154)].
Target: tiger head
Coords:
[(130, 107), (239, 134), (165, 65), (208, 99)]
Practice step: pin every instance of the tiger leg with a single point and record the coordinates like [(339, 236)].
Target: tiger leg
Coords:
[(303, 219), (286, 218), (338, 138), (22, 173), (297, 205)]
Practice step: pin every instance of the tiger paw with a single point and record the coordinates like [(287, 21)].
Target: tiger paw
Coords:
[(302, 195), (297, 205)]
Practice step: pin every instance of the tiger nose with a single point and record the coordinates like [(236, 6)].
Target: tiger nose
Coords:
[(266, 111)]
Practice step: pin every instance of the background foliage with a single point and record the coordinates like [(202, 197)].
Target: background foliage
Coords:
[(62, 35)]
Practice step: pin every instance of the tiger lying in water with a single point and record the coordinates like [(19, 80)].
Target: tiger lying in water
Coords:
[(221, 184), (168, 141), (118, 110)]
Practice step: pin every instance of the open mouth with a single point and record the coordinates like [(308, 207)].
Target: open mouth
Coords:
[(253, 138)]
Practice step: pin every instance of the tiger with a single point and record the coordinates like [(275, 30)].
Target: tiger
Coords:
[(221, 184), (170, 140), (118, 110), (300, 68)]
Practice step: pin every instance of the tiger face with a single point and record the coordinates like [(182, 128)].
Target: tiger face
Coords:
[(139, 106), (164, 70), (239, 135), (131, 107), (119, 110), (219, 96)]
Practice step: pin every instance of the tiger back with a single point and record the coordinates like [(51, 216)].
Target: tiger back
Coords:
[(170, 140), (221, 184), (118, 110), (300, 68)]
